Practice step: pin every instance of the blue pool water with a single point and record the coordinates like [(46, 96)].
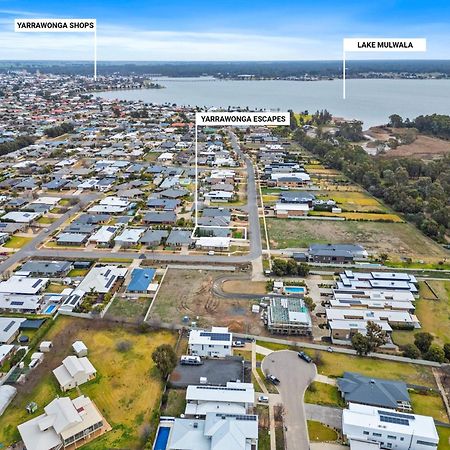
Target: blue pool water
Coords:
[(162, 438), (50, 309), (294, 290)]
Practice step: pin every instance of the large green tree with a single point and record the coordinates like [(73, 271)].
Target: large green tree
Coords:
[(165, 359)]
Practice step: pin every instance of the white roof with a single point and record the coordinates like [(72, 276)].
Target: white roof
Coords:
[(47, 200), (302, 175), (104, 233), (217, 336), (19, 302), (7, 393), (71, 367), (21, 217), (79, 346), (367, 314), (218, 242), (62, 418), (9, 327), (368, 417), (5, 349), (291, 207), (130, 235), (114, 201), (231, 393), (101, 279), (360, 325), (113, 209), (23, 285)]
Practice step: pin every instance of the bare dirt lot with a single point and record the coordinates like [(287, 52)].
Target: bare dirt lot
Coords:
[(188, 293), (424, 147)]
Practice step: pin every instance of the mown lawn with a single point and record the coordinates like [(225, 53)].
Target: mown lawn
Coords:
[(174, 402), (320, 433), (55, 288), (130, 308), (17, 241), (444, 438), (323, 394), (78, 273), (430, 404)]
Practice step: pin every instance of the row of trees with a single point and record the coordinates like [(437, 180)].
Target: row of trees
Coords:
[(59, 130), (434, 125), (416, 188), (423, 347), (282, 267), (16, 144)]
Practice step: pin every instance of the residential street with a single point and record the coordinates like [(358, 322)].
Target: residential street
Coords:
[(295, 376)]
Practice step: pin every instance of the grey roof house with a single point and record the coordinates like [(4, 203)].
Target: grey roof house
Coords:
[(357, 388)]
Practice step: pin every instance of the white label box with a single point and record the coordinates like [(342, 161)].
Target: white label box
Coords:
[(242, 118), (55, 25), (385, 45)]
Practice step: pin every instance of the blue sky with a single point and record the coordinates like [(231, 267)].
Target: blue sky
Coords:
[(224, 29)]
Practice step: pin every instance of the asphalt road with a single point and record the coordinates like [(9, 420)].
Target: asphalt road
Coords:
[(252, 201), (295, 375)]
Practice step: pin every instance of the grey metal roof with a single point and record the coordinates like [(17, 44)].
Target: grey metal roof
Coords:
[(372, 391)]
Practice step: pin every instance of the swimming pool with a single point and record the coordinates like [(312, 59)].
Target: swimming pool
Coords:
[(50, 309), (294, 290), (162, 438)]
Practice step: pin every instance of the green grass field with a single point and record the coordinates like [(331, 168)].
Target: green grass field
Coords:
[(320, 433), (323, 394), (127, 389), (430, 404), (444, 438), (427, 310), (174, 402), (129, 308), (78, 273), (396, 239), (17, 242)]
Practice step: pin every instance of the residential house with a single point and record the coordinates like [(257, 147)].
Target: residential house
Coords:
[(216, 343), (74, 372)]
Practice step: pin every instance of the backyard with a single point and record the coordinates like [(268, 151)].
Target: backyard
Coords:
[(127, 388)]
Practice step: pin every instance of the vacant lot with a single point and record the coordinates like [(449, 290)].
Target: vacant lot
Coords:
[(127, 388), (428, 309), (320, 433), (396, 239), (188, 293), (127, 308), (354, 201), (430, 404), (323, 394), (371, 217), (245, 287)]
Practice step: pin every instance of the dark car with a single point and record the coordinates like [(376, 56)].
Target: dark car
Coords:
[(305, 357), (273, 379)]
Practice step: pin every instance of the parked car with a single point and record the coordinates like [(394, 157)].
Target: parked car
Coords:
[(238, 344), (273, 379), (305, 357), (263, 399)]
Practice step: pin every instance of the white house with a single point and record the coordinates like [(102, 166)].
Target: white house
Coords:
[(74, 372), (388, 428), (235, 398), (64, 422), (216, 343), (102, 279), (80, 348)]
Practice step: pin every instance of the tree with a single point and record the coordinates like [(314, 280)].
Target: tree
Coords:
[(361, 344), (435, 353), (279, 267), (411, 351), (165, 359), (423, 341), (395, 121), (303, 270), (309, 302), (447, 351), (376, 336)]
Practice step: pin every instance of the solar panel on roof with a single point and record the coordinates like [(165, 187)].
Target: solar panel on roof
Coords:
[(396, 420), (216, 336), (107, 272), (16, 303), (37, 283), (221, 388), (8, 327), (109, 282), (395, 414)]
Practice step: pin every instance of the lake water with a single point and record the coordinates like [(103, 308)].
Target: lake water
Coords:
[(371, 101)]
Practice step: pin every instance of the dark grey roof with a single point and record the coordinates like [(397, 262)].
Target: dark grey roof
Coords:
[(336, 249), (174, 193), (160, 217), (153, 236), (179, 237), (297, 197), (372, 391), (216, 212), (82, 228), (46, 267)]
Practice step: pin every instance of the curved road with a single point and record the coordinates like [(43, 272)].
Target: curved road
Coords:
[(295, 376)]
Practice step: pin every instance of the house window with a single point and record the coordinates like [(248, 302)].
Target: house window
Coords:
[(366, 433), (429, 444), (376, 434), (391, 437)]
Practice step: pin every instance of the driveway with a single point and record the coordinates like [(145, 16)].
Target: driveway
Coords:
[(295, 375)]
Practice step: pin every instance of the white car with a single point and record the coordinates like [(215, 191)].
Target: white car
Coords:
[(263, 399)]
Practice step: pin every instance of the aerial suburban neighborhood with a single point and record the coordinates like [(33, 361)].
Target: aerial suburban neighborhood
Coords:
[(272, 278)]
